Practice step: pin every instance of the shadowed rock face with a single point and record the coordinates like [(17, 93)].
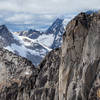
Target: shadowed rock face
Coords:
[(79, 73), (6, 38), (47, 81)]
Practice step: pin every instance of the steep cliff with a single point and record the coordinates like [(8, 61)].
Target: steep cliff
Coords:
[(79, 73), (47, 82)]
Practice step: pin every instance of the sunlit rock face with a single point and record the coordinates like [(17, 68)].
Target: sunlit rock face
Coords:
[(79, 73)]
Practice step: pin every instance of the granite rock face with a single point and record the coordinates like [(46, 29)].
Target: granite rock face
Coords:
[(20, 80), (79, 72), (17, 76)]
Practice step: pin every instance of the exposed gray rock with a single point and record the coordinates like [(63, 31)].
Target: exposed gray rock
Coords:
[(17, 76), (78, 77), (48, 78), (20, 80), (80, 62)]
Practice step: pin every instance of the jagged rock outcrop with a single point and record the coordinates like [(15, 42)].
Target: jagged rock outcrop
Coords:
[(33, 34), (20, 80), (47, 82), (79, 73), (17, 76)]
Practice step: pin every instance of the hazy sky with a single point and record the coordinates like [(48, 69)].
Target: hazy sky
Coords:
[(47, 6), (41, 11)]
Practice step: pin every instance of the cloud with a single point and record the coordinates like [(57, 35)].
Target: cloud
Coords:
[(19, 18), (41, 12), (28, 18), (48, 6)]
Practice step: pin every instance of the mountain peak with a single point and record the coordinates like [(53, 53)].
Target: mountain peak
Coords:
[(4, 31), (33, 31), (58, 23), (59, 19), (3, 27)]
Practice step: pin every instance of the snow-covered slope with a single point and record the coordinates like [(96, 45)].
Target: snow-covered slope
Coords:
[(56, 30), (51, 38), (32, 44), (33, 34), (23, 46)]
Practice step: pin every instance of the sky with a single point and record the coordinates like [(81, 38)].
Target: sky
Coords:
[(41, 12)]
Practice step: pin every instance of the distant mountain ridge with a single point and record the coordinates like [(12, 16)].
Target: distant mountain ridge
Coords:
[(52, 37), (25, 47), (33, 34), (33, 44), (57, 28)]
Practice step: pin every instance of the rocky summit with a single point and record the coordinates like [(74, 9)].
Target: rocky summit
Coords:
[(71, 72)]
